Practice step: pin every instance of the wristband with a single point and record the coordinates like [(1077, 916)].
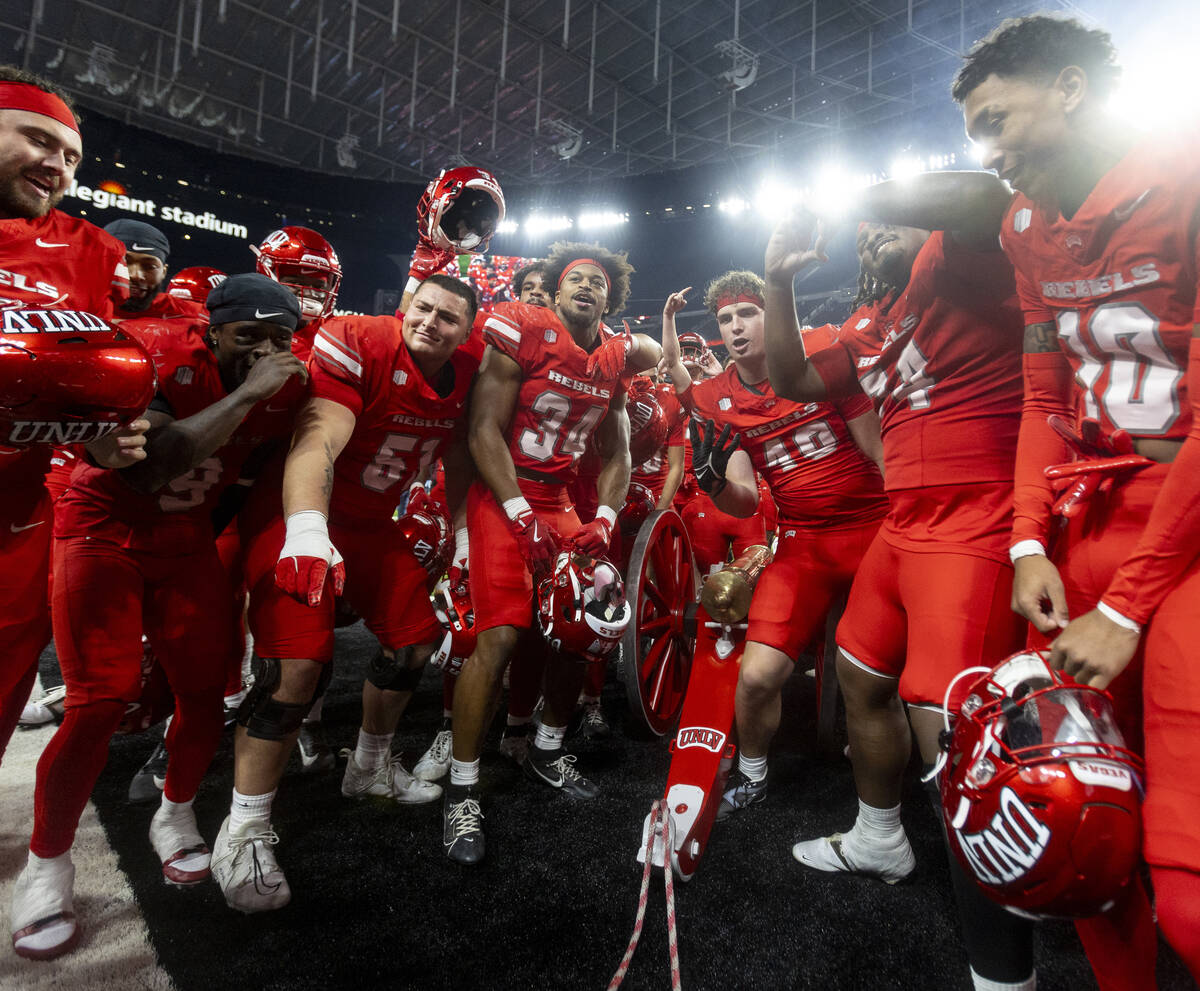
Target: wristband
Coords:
[(461, 545), (1108, 612), (412, 285), (515, 508), (1026, 548), (306, 521), (608, 514)]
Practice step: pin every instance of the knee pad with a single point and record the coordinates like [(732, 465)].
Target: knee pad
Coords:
[(394, 674), (264, 717)]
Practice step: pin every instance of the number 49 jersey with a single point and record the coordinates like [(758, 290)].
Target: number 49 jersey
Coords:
[(1119, 281), (403, 422), (559, 407)]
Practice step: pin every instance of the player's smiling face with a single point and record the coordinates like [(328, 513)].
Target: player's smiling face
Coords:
[(533, 290), (38, 158), (146, 273), (436, 323), (583, 294), (887, 251), (1022, 128), (741, 326), (238, 345)]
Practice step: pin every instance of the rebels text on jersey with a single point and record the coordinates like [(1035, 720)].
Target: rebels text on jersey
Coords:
[(1119, 281), (559, 406), (403, 424), (188, 382), (942, 362), (816, 473)]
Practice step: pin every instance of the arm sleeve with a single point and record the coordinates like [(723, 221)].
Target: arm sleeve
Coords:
[(1049, 387), (336, 368), (1171, 541)]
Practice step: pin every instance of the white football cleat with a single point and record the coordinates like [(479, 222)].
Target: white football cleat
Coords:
[(46, 708), (177, 841), (245, 868), (435, 762), (389, 780), (846, 853), (43, 915)]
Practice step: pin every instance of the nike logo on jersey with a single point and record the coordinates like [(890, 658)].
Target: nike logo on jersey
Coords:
[(259, 315), (1122, 213), (50, 244), (27, 526)]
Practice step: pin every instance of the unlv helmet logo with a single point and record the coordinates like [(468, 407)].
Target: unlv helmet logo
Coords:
[(1011, 844)]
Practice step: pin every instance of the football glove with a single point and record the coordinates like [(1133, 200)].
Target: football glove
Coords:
[(308, 558), (536, 539), (593, 538), (608, 360), (710, 458)]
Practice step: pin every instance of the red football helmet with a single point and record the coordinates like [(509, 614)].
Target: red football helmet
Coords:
[(67, 377), (461, 209), (293, 252), (195, 283), (691, 347), (452, 606), (582, 608), (647, 422), (1040, 796), (430, 538), (639, 503)]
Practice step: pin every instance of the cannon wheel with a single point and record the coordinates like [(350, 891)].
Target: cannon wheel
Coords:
[(657, 647)]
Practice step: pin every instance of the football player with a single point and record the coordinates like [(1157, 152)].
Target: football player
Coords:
[(146, 252), (47, 259), (388, 397), (529, 284), (136, 548), (819, 463), (938, 354), (548, 383)]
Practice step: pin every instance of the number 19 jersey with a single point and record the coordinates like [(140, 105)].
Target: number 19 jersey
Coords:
[(559, 406)]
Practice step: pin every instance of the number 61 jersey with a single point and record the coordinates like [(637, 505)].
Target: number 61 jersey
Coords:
[(559, 407), (1119, 281)]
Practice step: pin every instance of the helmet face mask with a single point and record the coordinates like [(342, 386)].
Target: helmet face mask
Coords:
[(304, 262), (460, 210), (453, 609), (1040, 796)]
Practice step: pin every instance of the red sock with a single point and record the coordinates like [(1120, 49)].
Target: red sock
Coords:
[(67, 772), (1122, 944), (1177, 898)]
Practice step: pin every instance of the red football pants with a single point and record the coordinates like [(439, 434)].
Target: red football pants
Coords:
[(714, 532)]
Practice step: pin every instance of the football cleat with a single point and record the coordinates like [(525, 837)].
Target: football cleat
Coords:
[(245, 868), (147, 784), (844, 853), (740, 791), (516, 740), (313, 749), (177, 841), (435, 762), (46, 709), (43, 915), (462, 824), (557, 769), (389, 780), (593, 725)]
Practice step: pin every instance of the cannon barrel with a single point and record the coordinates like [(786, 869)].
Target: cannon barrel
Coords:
[(726, 595)]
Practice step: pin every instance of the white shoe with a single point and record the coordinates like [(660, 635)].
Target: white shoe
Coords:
[(244, 865), (47, 708), (435, 762), (389, 780), (184, 854), (846, 853), (43, 915)]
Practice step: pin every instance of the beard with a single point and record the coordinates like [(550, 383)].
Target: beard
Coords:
[(137, 304), (17, 201)]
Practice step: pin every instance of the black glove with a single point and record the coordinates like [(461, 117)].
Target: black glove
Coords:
[(709, 458)]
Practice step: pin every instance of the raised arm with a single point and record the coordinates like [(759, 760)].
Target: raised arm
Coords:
[(672, 362), (970, 204), (793, 247)]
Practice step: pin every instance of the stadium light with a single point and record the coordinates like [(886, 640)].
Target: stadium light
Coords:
[(836, 189), (537, 225), (775, 197), (507, 227), (734, 205), (907, 166), (1157, 91), (602, 218)]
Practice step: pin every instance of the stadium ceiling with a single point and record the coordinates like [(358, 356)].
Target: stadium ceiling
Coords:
[(541, 90)]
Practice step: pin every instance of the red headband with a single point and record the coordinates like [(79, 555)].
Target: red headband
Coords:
[(742, 297), (26, 96), (585, 261)]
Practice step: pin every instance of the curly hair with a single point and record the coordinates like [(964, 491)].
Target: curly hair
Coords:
[(13, 74), (736, 283), (1040, 47), (615, 263), (523, 273), (870, 290)]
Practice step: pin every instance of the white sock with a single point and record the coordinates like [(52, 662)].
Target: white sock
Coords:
[(983, 984), (171, 809), (755, 768), (370, 753), (49, 864), (245, 808), (877, 824), (464, 772), (314, 714), (550, 737)]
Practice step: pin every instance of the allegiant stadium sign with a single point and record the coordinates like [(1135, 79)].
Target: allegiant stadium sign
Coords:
[(111, 195)]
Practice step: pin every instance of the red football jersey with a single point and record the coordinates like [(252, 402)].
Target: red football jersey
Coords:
[(816, 473), (1119, 280), (164, 307), (942, 362), (403, 422), (653, 472), (188, 382), (559, 407), (62, 262)]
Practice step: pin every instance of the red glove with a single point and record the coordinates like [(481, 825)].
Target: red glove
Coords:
[(308, 558), (608, 360), (537, 539), (593, 538), (1084, 478), (428, 260)]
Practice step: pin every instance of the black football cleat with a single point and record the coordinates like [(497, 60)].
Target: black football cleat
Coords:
[(462, 824), (741, 791), (557, 769)]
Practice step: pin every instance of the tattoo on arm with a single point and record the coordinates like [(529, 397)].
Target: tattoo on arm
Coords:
[(1040, 338), (327, 485)]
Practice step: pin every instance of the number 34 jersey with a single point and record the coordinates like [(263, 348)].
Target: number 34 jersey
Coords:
[(403, 422), (1119, 281), (559, 407)]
